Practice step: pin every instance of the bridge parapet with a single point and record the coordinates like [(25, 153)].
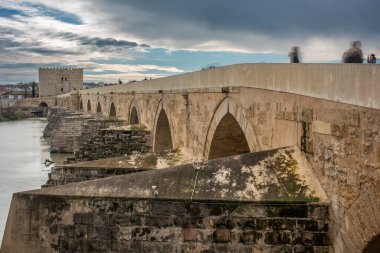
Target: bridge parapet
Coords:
[(355, 84)]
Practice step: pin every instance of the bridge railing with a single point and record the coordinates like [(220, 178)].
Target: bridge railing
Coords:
[(356, 84)]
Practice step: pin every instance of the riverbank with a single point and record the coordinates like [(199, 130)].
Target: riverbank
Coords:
[(14, 115)]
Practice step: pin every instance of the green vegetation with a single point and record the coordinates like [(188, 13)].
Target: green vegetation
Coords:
[(13, 115)]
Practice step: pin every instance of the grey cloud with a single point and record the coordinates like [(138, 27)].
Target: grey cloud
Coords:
[(270, 16), (99, 42), (8, 43), (108, 42), (196, 21), (45, 51)]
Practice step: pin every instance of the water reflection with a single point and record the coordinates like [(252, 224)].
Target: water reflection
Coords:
[(23, 152)]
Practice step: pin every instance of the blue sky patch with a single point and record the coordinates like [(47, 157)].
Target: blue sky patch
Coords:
[(195, 60), (62, 16), (10, 12)]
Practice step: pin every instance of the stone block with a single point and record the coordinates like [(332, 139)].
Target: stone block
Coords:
[(136, 220), (101, 220), (121, 246), (97, 246), (249, 211), (321, 127), (158, 221), (222, 235), (120, 220), (272, 237), (309, 225), (348, 117), (189, 234), (248, 235), (339, 130), (106, 232), (292, 116), (80, 231), (163, 208), (321, 239), (140, 233), (294, 211), (280, 115)]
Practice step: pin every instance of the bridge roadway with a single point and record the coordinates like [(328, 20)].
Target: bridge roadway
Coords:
[(330, 111)]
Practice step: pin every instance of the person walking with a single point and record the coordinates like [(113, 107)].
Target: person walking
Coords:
[(354, 54), (371, 58), (294, 55)]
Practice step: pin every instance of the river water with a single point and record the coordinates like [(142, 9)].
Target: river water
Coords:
[(23, 151)]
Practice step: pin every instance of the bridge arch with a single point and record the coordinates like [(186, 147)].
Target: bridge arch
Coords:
[(134, 116), (112, 112), (43, 105), (162, 135), (81, 105), (99, 108), (230, 123), (88, 106), (373, 246)]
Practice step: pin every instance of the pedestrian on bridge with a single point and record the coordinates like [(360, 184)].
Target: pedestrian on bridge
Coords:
[(294, 55), (354, 54), (371, 58)]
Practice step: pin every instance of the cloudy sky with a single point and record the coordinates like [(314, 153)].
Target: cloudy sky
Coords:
[(134, 39)]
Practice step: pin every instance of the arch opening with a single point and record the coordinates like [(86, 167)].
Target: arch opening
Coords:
[(373, 246), (81, 105), (88, 106), (134, 119), (99, 108), (42, 105), (163, 137), (229, 139), (112, 110)]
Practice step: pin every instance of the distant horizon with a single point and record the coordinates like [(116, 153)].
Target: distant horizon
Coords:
[(142, 79)]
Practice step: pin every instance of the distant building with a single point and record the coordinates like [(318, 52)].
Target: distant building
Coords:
[(56, 81), (17, 91)]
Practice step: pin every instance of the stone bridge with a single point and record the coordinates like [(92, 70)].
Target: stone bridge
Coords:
[(330, 111)]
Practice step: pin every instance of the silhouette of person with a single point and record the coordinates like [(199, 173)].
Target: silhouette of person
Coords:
[(354, 54), (294, 55), (371, 58)]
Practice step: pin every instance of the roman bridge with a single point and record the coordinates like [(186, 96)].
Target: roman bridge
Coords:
[(330, 111)]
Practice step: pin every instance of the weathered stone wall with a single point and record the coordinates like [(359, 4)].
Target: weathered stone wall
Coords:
[(71, 130), (114, 142), (64, 224), (64, 136), (54, 117), (61, 174), (90, 128), (346, 154), (341, 141)]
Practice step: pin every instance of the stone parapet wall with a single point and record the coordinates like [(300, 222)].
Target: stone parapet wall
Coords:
[(355, 84), (84, 224)]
